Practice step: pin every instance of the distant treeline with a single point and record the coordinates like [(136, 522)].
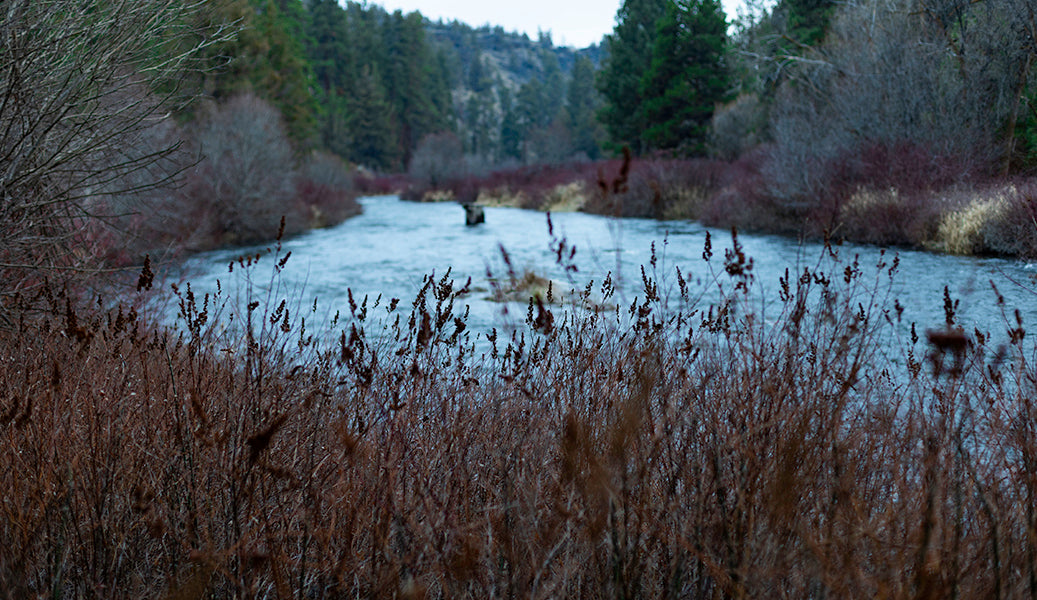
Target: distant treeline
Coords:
[(824, 81), (370, 85)]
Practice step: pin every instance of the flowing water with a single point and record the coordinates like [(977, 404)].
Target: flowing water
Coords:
[(389, 249)]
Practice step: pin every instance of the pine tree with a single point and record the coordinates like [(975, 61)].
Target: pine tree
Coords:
[(480, 117), (350, 45), (629, 56), (511, 137), (329, 51), (334, 63), (478, 79), (408, 81), (553, 88), (687, 76), (529, 115), (581, 103), (440, 78), (281, 73), (808, 20), (371, 135)]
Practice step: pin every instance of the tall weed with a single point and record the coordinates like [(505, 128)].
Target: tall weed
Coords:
[(811, 444)]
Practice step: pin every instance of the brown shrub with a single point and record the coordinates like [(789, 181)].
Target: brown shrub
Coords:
[(658, 188), (702, 451), (886, 217), (324, 194)]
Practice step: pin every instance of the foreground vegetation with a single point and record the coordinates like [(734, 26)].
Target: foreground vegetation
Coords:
[(662, 449)]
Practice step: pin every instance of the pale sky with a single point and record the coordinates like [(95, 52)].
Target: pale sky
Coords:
[(578, 23)]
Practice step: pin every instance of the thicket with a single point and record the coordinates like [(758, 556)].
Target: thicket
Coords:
[(659, 447), (249, 177), (884, 120), (83, 89)]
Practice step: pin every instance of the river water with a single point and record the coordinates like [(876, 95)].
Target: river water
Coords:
[(389, 248)]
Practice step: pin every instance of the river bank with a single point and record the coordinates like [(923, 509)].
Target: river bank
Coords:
[(977, 216)]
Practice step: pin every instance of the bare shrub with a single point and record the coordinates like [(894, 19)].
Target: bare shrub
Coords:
[(887, 217), (661, 188), (535, 186), (747, 209), (737, 127), (83, 81), (371, 183), (325, 193), (438, 158), (744, 201), (245, 181), (890, 74)]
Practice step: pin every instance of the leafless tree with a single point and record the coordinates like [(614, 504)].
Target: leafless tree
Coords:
[(737, 127), (944, 75), (1021, 23), (82, 83), (246, 178), (438, 158)]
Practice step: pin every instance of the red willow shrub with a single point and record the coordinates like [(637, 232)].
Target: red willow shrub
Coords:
[(655, 187), (533, 183), (743, 200), (634, 452), (374, 184), (882, 193), (325, 194)]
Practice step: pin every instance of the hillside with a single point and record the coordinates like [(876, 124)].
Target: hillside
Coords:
[(516, 99), (515, 55)]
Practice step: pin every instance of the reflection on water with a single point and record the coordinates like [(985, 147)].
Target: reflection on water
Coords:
[(390, 248)]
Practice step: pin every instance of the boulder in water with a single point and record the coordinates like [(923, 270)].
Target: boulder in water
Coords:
[(473, 214)]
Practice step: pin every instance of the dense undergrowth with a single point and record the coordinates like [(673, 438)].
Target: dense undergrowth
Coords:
[(807, 446)]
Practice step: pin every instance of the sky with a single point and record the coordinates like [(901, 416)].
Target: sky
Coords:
[(577, 23)]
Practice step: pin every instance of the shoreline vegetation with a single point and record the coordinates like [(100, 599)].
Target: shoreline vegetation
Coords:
[(642, 452), (992, 216)]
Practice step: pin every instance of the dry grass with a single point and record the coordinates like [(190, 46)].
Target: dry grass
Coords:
[(997, 219), (569, 197), (699, 451), (889, 217)]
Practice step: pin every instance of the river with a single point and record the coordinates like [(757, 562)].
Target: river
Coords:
[(393, 244)]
